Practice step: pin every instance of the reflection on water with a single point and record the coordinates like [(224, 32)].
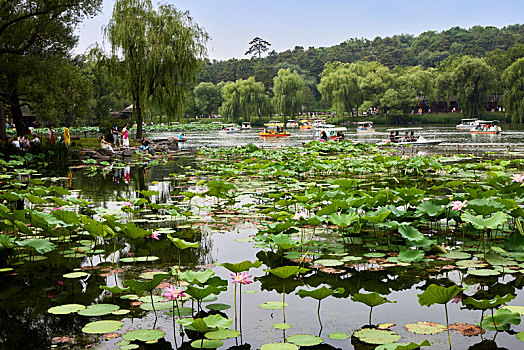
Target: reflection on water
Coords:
[(512, 133)]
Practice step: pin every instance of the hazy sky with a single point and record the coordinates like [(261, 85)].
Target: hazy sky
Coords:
[(232, 24)]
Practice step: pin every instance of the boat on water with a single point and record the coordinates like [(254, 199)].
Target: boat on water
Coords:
[(246, 126), (408, 137), (467, 123), (274, 130), (229, 128), (365, 127), (333, 133), (292, 123), (305, 124), (487, 127), (319, 123)]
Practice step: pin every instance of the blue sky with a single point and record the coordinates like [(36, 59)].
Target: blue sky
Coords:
[(231, 24)]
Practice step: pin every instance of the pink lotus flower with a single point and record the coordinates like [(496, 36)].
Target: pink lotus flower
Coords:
[(457, 298), (155, 235), (60, 208), (300, 216), (517, 178), (241, 277), (127, 204), (173, 293), (458, 205)]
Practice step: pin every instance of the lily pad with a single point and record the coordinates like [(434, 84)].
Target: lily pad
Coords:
[(456, 255), (279, 346), (121, 312), (145, 335), (101, 327), (281, 326), (338, 336), (272, 305), (139, 259), (305, 340), (374, 255), (425, 327), (75, 275), (218, 307), (376, 336), (329, 262), (157, 306), (520, 336), (483, 272), (403, 346), (206, 344), (66, 309), (512, 308), (222, 334), (98, 310)]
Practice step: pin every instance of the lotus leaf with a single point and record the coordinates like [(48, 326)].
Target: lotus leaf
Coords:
[(485, 304), (483, 272), (98, 310), (305, 340), (272, 305), (414, 236), (140, 287), (410, 255), (222, 334), (520, 336), (181, 244), (66, 309), (281, 326), (514, 308), (482, 223), (501, 320), (145, 335), (279, 346), (456, 255), (435, 294), (115, 289), (319, 293), (338, 336), (156, 306), (425, 327), (329, 262), (242, 266), (288, 271), (376, 336), (73, 275), (101, 327), (193, 277), (403, 346), (139, 259), (41, 246)]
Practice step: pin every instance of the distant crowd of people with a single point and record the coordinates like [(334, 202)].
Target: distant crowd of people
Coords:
[(408, 137)]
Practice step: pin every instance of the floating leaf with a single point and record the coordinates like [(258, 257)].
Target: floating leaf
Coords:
[(145, 335), (281, 326), (206, 344), (425, 327), (513, 308), (338, 336), (279, 346), (218, 307), (66, 309), (403, 346), (222, 334), (98, 310), (376, 336), (101, 327), (272, 305), (483, 272), (139, 259), (305, 340), (456, 255), (501, 320), (329, 262), (73, 275)]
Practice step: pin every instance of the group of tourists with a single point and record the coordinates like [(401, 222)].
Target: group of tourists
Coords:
[(339, 137), (408, 137), (124, 133)]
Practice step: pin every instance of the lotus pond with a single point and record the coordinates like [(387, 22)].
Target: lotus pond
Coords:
[(333, 246)]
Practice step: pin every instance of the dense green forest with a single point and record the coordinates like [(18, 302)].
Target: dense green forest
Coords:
[(470, 70)]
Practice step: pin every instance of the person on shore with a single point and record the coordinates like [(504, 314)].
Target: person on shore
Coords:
[(116, 136), (67, 136), (125, 136), (106, 145), (145, 145), (180, 140), (51, 134)]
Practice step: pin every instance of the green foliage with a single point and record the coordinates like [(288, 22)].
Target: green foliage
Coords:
[(288, 92), (435, 294), (243, 100), (501, 320), (371, 299)]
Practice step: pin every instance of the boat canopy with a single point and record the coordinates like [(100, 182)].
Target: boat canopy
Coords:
[(404, 129), (469, 119), (363, 123), (274, 124), (229, 125), (338, 128), (488, 121)]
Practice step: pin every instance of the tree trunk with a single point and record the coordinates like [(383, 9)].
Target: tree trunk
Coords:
[(16, 111), (3, 131), (138, 121)]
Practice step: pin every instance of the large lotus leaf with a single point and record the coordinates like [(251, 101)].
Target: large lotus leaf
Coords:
[(272, 305), (403, 346), (515, 308), (148, 194), (484, 304), (77, 274), (338, 336), (140, 287), (145, 335), (200, 326), (193, 277), (217, 321), (414, 236), (328, 209), (115, 289), (7, 242), (207, 343), (305, 340), (435, 294), (34, 199), (158, 306), (456, 255), (501, 320), (425, 327), (329, 262), (371, 299), (181, 244), (429, 208), (288, 271), (132, 231), (222, 334), (408, 194), (98, 310), (496, 260), (377, 216), (520, 336), (101, 327), (42, 246), (483, 272), (343, 220), (279, 346), (199, 293), (281, 325), (485, 206), (283, 241), (481, 223), (96, 228), (410, 255), (23, 228), (241, 266), (69, 217), (65, 309), (376, 336), (319, 293)]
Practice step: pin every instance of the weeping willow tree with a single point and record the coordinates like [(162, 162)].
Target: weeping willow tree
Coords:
[(244, 99), (513, 79), (339, 84), (288, 91), (156, 52)]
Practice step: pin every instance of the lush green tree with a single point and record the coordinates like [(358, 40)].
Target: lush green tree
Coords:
[(340, 85), (244, 99), (470, 81), (156, 52), (288, 92), (207, 98), (257, 46), (513, 79), (34, 31)]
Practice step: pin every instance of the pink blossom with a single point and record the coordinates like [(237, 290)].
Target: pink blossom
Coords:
[(173, 293), (60, 208), (299, 216), (458, 205), (517, 178), (457, 298), (241, 277), (155, 235), (127, 204), (60, 282)]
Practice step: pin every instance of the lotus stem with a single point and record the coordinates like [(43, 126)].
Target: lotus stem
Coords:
[(152, 302), (318, 314), (284, 301), (236, 323), (370, 311), (447, 324)]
